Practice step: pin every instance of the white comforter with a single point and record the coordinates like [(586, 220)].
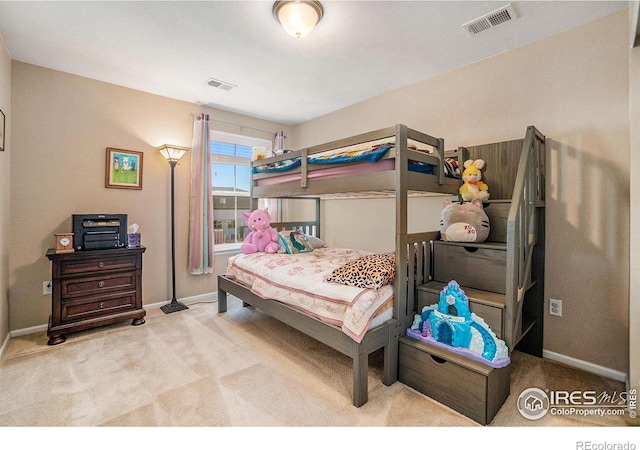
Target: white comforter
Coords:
[(299, 280)]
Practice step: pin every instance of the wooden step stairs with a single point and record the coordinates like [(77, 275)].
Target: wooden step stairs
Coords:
[(502, 278)]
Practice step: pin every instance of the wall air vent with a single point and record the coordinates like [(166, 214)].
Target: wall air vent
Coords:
[(220, 84), (490, 20)]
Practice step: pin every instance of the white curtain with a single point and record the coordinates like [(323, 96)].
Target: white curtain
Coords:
[(201, 201)]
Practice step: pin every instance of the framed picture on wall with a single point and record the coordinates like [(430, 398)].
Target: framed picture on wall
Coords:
[(2, 131), (123, 169)]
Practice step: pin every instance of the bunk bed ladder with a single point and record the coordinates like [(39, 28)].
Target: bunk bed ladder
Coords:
[(508, 291), (502, 278), (525, 226)]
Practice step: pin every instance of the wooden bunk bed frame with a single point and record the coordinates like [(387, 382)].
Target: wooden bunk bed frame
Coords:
[(399, 183)]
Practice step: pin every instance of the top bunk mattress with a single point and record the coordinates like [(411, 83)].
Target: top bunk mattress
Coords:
[(351, 160)]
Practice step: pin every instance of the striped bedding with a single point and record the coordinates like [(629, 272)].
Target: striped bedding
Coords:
[(299, 280)]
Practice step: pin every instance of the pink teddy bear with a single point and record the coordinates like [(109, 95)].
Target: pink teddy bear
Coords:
[(263, 237)]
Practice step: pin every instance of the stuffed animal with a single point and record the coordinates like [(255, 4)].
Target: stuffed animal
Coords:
[(262, 237), (259, 153), (464, 222), (473, 187)]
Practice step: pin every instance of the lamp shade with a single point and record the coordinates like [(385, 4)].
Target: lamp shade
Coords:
[(298, 18), (172, 153)]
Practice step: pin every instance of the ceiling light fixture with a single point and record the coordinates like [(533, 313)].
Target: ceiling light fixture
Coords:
[(297, 17)]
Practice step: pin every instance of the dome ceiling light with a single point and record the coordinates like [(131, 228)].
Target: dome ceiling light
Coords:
[(298, 18)]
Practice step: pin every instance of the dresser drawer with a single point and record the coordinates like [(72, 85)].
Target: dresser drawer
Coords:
[(470, 387), (87, 266), (97, 285), (86, 308)]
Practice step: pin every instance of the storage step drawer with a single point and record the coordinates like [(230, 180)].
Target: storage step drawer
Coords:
[(487, 305), (480, 266), (470, 387)]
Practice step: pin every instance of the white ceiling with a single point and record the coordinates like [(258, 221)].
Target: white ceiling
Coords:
[(360, 49)]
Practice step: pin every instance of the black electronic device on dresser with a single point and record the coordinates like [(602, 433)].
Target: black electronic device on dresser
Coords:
[(99, 231)]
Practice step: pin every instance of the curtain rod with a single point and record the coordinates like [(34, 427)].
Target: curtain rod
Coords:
[(272, 133)]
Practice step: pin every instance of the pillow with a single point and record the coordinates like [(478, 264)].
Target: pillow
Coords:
[(315, 242), (294, 242), (370, 271)]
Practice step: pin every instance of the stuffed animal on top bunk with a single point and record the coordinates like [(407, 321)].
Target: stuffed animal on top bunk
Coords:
[(259, 153), (262, 237), (464, 222), (473, 186)]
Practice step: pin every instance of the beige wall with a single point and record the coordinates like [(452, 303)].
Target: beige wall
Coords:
[(62, 127), (369, 224), (5, 189), (575, 88)]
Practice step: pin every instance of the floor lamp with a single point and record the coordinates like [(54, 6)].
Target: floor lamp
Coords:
[(173, 154)]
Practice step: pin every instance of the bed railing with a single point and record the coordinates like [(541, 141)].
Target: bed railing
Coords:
[(400, 133), (522, 231), (411, 272), (311, 228)]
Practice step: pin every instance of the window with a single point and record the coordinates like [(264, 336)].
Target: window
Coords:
[(231, 180)]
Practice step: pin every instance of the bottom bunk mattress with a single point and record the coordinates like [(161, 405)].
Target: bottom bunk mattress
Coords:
[(312, 283)]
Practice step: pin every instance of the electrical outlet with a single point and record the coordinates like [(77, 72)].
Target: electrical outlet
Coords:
[(555, 307), (46, 287)]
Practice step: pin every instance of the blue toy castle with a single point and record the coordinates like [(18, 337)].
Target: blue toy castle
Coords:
[(451, 323)]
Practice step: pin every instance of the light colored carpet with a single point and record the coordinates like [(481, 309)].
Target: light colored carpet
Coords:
[(198, 368)]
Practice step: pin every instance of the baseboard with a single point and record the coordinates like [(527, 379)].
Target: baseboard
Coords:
[(585, 365), (210, 297), (26, 331)]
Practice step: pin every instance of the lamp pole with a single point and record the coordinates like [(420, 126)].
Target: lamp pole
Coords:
[(175, 305)]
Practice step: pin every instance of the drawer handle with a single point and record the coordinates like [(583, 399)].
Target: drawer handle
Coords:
[(101, 264), (101, 284), (101, 305), (438, 360)]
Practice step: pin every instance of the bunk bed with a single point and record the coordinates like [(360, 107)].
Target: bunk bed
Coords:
[(411, 164)]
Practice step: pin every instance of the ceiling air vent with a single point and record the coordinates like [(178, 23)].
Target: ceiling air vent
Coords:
[(490, 20), (220, 84)]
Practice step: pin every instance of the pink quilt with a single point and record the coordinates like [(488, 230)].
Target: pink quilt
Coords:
[(299, 280)]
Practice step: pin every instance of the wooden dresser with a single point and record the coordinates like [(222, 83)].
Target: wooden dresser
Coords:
[(94, 288)]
